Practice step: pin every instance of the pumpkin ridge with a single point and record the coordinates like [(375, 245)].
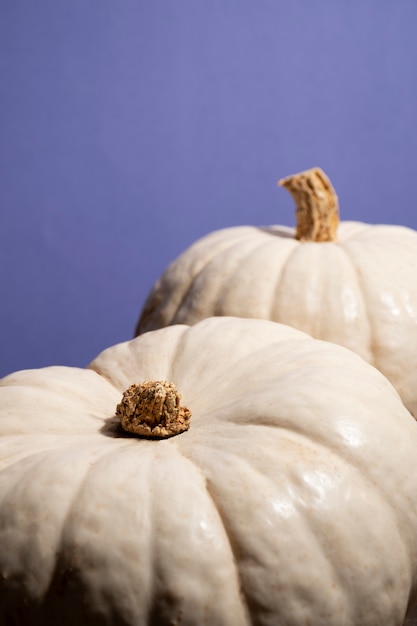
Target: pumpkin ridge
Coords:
[(366, 305), (92, 439), (176, 355), (343, 451), (45, 390), (315, 530), (326, 318), (253, 605), (65, 553), (104, 375), (293, 338), (215, 259), (227, 287), (231, 280), (182, 289), (373, 231), (211, 504), (243, 594), (361, 228), (316, 443), (373, 360), (47, 457), (60, 549), (278, 285), (128, 357)]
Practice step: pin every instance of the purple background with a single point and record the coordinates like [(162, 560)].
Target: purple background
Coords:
[(129, 129)]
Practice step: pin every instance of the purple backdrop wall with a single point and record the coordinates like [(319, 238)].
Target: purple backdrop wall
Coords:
[(129, 129)]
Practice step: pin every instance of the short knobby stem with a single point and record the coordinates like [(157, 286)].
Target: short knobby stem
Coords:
[(153, 409), (316, 201)]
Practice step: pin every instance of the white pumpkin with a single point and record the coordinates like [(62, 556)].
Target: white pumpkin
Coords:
[(291, 499), (350, 283)]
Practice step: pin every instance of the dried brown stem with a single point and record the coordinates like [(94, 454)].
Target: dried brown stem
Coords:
[(153, 409), (317, 207)]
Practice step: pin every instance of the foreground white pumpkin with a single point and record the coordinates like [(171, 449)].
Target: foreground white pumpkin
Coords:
[(350, 283), (290, 500)]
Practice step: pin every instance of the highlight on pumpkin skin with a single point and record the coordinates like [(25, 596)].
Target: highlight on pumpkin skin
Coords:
[(317, 206), (153, 409)]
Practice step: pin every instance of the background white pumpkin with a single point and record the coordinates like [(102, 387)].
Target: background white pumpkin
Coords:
[(358, 290), (290, 500)]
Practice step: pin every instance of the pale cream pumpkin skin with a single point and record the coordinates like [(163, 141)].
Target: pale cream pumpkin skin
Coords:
[(289, 500), (359, 291)]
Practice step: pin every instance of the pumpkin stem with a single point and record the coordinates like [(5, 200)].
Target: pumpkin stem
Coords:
[(317, 207), (153, 409)]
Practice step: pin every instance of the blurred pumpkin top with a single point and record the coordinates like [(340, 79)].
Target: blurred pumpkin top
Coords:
[(346, 282)]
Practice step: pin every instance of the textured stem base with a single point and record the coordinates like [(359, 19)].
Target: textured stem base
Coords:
[(153, 409)]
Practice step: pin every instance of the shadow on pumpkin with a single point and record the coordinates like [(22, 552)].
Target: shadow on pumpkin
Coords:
[(67, 588), (411, 619), (278, 231), (112, 428)]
